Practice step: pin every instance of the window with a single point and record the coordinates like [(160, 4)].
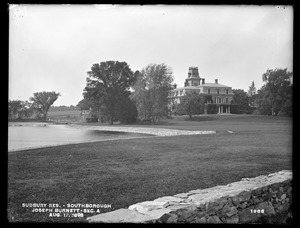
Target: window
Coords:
[(208, 91), (226, 100), (218, 91), (220, 100), (227, 92)]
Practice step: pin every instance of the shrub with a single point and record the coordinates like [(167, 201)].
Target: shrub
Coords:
[(212, 108), (92, 119)]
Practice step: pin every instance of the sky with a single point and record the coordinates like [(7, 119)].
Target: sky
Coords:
[(52, 47)]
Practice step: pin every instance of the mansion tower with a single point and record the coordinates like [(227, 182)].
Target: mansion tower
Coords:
[(221, 95)]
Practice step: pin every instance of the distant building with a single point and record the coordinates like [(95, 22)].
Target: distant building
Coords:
[(85, 113), (221, 95)]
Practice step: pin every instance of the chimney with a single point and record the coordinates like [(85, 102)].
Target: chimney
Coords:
[(216, 81), (186, 83), (203, 81)]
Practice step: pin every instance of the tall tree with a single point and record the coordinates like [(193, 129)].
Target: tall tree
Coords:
[(107, 83), (191, 103), (252, 89), (276, 95), (252, 94), (42, 102), (151, 92), (240, 98)]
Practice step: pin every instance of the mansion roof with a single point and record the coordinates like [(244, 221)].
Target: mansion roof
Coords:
[(204, 85)]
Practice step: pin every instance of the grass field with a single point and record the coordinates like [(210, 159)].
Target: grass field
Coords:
[(125, 172), (65, 116)]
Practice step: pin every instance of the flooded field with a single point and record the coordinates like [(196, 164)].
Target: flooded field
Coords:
[(23, 136)]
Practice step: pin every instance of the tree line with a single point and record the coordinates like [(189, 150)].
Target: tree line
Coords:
[(116, 93), (113, 92)]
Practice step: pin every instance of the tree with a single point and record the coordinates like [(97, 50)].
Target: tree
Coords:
[(127, 112), (26, 109), (240, 98), (84, 104), (42, 102), (19, 109), (263, 101), (252, 94), (191, 103), (14, 106), (252, 89), (151, 92), (277, 91), (107, 83)]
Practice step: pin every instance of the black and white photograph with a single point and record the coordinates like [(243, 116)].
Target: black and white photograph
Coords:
[(150, 114)]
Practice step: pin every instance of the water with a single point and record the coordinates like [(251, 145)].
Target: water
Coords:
[(34, 135)]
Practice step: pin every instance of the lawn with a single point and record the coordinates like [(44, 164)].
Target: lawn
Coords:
[(125, 172)]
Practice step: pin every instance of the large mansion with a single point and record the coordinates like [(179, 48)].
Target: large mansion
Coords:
[(221, 95)]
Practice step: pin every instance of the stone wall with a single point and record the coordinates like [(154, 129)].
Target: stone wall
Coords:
[(263, 199)]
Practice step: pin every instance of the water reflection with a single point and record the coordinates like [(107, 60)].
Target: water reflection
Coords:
[(25, 136)]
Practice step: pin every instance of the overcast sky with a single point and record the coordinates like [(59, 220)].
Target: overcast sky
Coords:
[(51, 47)]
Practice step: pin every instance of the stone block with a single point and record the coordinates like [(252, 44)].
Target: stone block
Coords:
[(146, 206), (275, 186), (172, 219), (213, 219), (255, 200), (178, 206), (168, 199), (243, 205), (231, 211), (159, 213), (121, 216), (168, 218), (214, 207), (245, 216), (188, 213), (233, 219), (199, 191), (284, 207), (200, 220), (268, 208), (243, 196), (266, 196), (257, 191), (184, 195)]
